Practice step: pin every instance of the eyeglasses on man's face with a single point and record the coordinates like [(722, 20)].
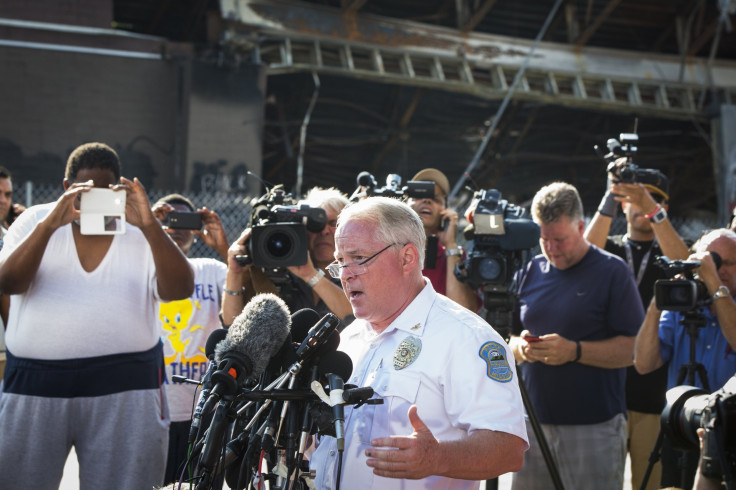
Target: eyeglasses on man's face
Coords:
[(354, 268)]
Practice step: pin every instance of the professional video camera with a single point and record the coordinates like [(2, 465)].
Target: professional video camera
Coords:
[(627, 172), (502, 235), (367, 186), (690, 408), (279, 230), (684, 294)]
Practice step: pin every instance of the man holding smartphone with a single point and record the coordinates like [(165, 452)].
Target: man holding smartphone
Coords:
[(185, 325), (440, 225), (84, 355)]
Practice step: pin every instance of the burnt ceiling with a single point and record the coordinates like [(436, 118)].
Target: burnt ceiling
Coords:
[(359, 124)]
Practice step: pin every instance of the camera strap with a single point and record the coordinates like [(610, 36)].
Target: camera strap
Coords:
[(644, 260)]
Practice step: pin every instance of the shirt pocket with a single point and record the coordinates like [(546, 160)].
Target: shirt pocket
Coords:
[(399, 391)]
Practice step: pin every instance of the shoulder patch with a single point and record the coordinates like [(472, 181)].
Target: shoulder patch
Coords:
[(498, 366)]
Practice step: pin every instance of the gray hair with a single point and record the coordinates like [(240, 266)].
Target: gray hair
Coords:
[(331, 199), (555, 200), (396, 221), (704, 241)]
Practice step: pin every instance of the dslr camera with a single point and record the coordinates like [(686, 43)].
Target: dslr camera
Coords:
[(502, 236), (684, 294), (279, 230), (690, 408), (628, 172), (414, 188)]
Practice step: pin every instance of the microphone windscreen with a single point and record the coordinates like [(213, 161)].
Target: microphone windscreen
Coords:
[(301, 323), (258, 332), (366, 179), (215, 337), (330, 344), (717, 260), (336, 362)]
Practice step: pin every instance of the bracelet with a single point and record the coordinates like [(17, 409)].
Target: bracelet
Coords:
[(656, 210), (233, 293), (578, 351), (316, 278)]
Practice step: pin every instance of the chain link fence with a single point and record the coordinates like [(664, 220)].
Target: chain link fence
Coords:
[(234, 211)]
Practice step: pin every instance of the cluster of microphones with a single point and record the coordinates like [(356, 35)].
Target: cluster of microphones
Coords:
[(263, 397)]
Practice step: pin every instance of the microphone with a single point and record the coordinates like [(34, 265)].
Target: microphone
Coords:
[(366, 179), (336, 362), (255, 336), (337, 387), (209, 350), (337, 366), (317, 336), (301, 321)]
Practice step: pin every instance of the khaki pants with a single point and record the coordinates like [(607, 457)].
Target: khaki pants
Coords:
[(642, 430)]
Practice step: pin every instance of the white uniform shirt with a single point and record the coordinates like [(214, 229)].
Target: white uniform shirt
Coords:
[(456, 390)]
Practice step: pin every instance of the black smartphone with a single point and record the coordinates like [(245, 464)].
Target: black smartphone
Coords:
[(444, 223), (183, 220)]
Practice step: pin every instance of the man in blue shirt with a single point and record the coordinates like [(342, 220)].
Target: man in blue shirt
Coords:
[(663, 338), (579, 310)]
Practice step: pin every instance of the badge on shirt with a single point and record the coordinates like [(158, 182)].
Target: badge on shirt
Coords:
[(407, 353), (495, 356)]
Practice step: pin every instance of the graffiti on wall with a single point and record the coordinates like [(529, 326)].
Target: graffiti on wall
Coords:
[(216, 177)]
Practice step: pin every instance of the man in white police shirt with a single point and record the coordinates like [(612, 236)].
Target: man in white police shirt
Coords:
[(452, 410)]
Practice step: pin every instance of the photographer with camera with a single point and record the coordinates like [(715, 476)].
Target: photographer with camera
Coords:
[(84, 354), (663, 337), (579, 311), (185, 325), (441, 222), (649, 234), (306, 285)]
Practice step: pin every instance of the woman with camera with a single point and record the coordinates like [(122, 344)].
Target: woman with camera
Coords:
[(302, 286)]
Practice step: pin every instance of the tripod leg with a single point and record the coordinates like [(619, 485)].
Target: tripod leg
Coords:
[(541, 440), (653, 458)]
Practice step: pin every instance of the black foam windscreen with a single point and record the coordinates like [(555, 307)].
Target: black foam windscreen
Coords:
[(301, 321), (215, 337), (335, 362)]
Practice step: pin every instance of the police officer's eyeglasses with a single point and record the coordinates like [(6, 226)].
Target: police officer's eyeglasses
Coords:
[(356, 268)]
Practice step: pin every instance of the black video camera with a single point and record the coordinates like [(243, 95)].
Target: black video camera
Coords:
[(690, 408), (279, 230), (684, 294), (502, 236), (628, 172), (417, 189)]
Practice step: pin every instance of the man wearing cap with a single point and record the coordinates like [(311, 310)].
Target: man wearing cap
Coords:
[(649, 234), (441, 222)]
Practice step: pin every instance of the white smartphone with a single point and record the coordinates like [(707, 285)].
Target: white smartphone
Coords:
[(102, 212)]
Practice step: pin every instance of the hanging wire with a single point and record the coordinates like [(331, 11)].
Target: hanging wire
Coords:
[(303, 136), (505, 103)]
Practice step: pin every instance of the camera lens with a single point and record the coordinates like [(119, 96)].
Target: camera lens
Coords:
[(279, 245), (489, 269)]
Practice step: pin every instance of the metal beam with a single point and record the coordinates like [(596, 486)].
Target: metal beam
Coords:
[(294, 37)]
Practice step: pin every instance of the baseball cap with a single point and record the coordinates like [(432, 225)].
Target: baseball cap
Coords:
[(434, 175), (655, 182)]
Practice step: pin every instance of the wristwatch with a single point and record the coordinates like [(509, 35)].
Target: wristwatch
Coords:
[(721, 292), (658, 216), (316, 278), (453, 251)]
